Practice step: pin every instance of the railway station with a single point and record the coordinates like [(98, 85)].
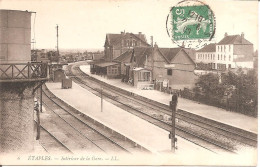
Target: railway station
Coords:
[(214, 113), (132, 103), (106, 113)]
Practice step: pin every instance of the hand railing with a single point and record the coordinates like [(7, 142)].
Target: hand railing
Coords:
[(31, 70)]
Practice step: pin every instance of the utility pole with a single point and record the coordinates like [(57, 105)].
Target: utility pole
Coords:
[(173, 106), (101, 97), (57, 28), (152, 56)]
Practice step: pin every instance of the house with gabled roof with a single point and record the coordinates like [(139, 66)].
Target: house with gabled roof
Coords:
[(167, 67), (115, 47), (207, 57), (117, 44), (235, 51)]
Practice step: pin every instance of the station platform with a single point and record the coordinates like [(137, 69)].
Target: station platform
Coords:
[(230, 118), (134, 128), (144, 133)]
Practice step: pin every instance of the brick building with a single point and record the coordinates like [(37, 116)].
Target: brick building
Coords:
[(117, 44)]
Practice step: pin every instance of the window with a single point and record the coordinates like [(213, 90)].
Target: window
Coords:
[(225, 48), (169, 71), (213, 57), (229, 66), (218, 56), (229, 58), (225, 57), (230, 48)]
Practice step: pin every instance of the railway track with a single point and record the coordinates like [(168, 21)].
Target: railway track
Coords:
[(51, 144), (207, 133), (101, 137)]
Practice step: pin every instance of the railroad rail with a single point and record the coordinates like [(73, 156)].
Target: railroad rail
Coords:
[(117, 141), (203, 126), (50, 142)]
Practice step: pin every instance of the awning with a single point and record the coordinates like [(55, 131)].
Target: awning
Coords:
[(106, 64), (141, 69)]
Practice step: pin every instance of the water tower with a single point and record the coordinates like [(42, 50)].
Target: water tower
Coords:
[(19, 78)]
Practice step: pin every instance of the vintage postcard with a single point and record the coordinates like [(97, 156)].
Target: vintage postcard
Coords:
[(129, 82)]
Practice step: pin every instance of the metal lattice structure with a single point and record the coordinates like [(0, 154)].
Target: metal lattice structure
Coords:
[(23, 71)]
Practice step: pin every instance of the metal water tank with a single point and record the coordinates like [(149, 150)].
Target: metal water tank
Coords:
[(15, 36)]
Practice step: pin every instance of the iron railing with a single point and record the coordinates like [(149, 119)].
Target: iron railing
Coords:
[(23, 71)]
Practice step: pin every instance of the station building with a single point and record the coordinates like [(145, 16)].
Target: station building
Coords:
[(116, 45)]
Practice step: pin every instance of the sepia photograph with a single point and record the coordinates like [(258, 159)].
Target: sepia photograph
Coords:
[(129, 82)]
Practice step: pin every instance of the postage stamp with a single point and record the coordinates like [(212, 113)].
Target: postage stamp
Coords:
[(191, 24)]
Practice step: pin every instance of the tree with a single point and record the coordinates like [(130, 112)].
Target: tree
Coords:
[(209, 86), (239, 89)]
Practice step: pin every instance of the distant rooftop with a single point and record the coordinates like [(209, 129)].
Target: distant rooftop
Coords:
[(114, 39), (234, 39), (208, 48)]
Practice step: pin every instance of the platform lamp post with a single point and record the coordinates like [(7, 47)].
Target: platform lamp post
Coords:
[(173, 106), (101, 97)]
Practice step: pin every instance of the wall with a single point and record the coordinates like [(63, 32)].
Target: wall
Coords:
[(113, 71), (244, 50), (182, 74), (17, 105), (15, 36)]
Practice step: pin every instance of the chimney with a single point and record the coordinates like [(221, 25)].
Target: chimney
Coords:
[(155, 45), (226, 34), (123, 32), (242, 35), (152, 41), (139, 34)]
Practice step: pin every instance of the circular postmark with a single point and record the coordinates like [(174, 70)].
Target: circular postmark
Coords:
[(191, 24)]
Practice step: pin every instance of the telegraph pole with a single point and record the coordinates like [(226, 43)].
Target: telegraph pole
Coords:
[(101, 97), (57, 28), (173, 106), (152, 56)]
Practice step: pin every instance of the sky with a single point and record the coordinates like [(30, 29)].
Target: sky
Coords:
[(83, 24)]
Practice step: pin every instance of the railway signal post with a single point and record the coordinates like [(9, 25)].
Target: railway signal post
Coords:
[(173, 106)]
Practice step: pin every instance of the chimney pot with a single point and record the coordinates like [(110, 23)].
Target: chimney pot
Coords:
[(226, 34), (242, 35)]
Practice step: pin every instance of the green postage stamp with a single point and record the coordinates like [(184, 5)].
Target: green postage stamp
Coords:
[(191, 24)]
